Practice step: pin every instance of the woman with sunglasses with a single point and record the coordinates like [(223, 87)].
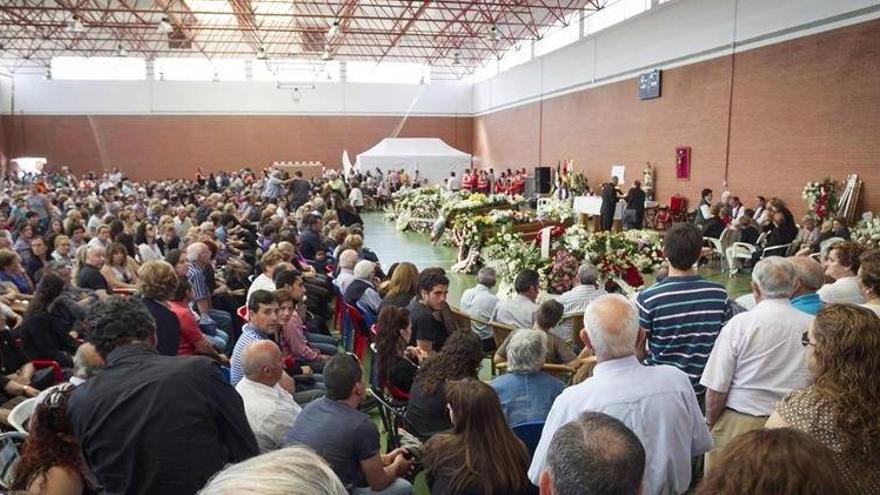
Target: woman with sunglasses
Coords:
[(840, 408), (481, 455), (51, 461)]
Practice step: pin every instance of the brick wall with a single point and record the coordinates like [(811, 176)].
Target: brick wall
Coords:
[(174, 146), (801, 110)]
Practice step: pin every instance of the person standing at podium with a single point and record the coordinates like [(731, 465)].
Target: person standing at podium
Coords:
[(610, 195)]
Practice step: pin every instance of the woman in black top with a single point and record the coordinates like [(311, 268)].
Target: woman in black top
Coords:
[(38, 258), (44, 336), (481, 455), (397, 363), (459, 358)]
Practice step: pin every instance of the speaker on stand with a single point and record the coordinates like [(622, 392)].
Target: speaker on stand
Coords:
[(543, 180)]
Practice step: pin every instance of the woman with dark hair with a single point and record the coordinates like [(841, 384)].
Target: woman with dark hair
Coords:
[(773, 462), (51, 461), (177, 259), (839, 409), (397, 362), (11, 270), (38, 258), (145, 238), (117, 269), (43, 334), (22, 244), (481, 455), (56, 227), (459, 358)]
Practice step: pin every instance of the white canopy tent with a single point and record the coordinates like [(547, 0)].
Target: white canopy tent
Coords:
[(431, 157)]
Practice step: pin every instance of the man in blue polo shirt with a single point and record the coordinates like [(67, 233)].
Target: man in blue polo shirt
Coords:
[(682, 314)]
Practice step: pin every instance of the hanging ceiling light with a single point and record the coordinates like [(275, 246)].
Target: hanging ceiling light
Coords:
[(261, 53), (121, 51), (296, 95), (164, 26), (75, 25), (334, 30), (494, 34), (456, 58), (48, 74), (328, 54)]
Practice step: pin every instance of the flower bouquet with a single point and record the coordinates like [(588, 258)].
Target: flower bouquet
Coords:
[(563, 272), (821, 198), (867, 232)]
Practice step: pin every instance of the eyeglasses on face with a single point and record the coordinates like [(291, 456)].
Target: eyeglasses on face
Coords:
[(805, 339)]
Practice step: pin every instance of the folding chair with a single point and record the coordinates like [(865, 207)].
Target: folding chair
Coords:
[(20, 414), (10, 453)]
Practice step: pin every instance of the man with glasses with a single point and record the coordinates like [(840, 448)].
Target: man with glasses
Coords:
[(337, 431), (757, 358)]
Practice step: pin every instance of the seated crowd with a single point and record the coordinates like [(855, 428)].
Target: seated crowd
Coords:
[(193, 324)]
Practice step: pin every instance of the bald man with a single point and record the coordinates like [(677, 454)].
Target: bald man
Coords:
[(89, 275), (656, 402), (270, 409)]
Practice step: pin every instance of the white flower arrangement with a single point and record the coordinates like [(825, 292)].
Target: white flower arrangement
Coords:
[(867, 232)]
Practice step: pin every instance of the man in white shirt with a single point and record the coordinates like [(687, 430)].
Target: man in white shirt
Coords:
[(842, 265), (578, 298), (480, 302), (453, 183), (270, 409), (519, 312), (757, 358), (656, 402), (182, 223), (347, 260)]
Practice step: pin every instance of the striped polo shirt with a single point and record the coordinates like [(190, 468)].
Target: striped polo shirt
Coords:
[(683, 316), (249, 335)]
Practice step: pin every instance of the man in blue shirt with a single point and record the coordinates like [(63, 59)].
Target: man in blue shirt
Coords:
[(809, 277), (682, 314)]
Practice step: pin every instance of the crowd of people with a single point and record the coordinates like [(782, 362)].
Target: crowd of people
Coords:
[(193, 321)]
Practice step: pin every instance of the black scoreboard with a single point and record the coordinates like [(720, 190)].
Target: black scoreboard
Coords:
[(649, 85)]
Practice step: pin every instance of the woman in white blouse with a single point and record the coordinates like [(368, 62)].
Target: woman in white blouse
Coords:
[(145, 238), (842, 265)]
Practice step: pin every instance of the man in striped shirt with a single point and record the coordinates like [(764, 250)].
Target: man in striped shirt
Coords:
[(682, 314)]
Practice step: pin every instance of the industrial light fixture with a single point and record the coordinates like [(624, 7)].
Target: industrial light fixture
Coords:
[(121, 51), (456, 58), (216, 76), (164, 26), (75, 25), (48, 74), (494, 33), (261, 53), (327, 55), (296, 95), (334, 30)]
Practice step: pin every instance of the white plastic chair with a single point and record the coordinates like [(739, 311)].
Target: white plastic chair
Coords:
[(717, 250), (10, 446), (21, 413), (826, 245), (745, 251)]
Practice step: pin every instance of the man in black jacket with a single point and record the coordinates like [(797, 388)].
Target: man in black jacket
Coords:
[(149, 423)]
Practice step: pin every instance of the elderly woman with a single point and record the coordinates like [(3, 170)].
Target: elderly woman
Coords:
[(157, 282), (842, 265), (839, 409), (362, 289), (526, 392), (12, 271)]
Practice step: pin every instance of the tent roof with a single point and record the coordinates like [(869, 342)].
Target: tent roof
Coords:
[(413, 147)]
